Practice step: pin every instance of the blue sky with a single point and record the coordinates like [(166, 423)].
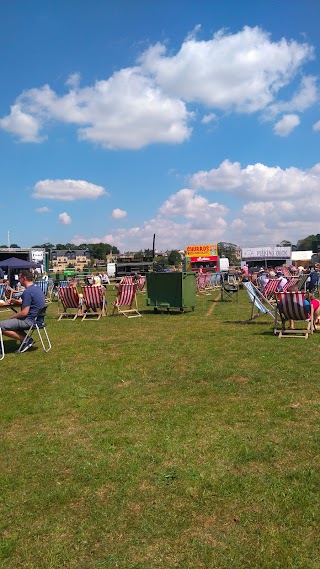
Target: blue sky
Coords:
[(196, 121)]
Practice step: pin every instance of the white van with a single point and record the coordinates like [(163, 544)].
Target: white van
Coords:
[(111, 270)]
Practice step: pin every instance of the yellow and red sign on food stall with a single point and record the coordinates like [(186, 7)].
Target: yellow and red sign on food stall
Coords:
[(202, 250)]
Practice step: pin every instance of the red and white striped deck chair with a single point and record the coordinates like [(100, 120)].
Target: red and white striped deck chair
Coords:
[(126, 280), (141, 284), (270, 288), (70, 300), (95, 300), (292, 306), (290, 284), (126, 301), (201, 283)]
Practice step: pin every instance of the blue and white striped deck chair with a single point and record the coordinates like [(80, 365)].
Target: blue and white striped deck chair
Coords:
[(63, 283), (262, 305), (1, 290), (44, 287)]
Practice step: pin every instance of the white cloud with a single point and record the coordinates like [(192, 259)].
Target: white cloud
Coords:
[(24, 125), (147, 103), (305, 97), (209, 118), (242, 71), (64, 218), (316, 126), (73, 80), (286, 125), (118, 213), (259, 182), (67, 190), (43, 209)]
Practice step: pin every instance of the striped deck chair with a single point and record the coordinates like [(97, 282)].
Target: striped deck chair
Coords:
[(302, 282), (286, 272), (44, 287), (141, 284), (94, 299), (292, 306), (63, 284), (126, 302), (70, 300), (126, 280), (202, 283), (4, 298), (291, 283), (258, 302), (270, 288)]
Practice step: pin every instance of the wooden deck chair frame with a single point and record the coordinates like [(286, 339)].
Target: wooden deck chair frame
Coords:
[(94, 299), (40, 328), (258, 302), (70, 300), (126, 298), (291, 307)]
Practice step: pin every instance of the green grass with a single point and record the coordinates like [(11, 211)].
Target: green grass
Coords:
[(172, 440)]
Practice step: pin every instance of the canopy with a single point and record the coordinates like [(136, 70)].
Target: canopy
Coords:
[(14, 263)]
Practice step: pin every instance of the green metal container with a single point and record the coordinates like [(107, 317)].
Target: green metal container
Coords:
[(171, 290)]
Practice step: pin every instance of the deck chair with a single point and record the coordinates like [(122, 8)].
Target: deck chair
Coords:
[(270, 288), (258, 302), (40, 326), (44, 287), (126, 280), (125, 301), (291, 283), (229, 291), (3, 299), (69, 298), (1, 346), (302, 282), (291, 306), (94, 299), (141, 284)]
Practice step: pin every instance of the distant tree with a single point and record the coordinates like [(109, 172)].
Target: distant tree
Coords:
[(15, 246), (161, 260), (138, 256), (306, 244), (46, 246), (4, 246), (148, 255), (228, 250), (174, 258)]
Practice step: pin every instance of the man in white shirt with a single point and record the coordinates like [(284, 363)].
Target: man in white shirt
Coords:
[(282, 281)]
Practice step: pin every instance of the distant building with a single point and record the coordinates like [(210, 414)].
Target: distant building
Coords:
[(61, 259)]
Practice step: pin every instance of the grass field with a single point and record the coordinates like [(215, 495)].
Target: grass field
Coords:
[(171, 440)]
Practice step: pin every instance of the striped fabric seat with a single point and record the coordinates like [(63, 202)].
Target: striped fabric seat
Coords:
[(141, 284), (290, 284), (126, 301), (63, 284), (94, 299), (126, 280), (271, 288), (70, 300), (43, 285), (293, 307), (258, 302)]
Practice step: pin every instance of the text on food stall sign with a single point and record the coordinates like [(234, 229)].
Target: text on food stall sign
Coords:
[(202, 250), (266, 253)]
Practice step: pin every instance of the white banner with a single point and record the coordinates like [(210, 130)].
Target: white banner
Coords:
[(272, 253)]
